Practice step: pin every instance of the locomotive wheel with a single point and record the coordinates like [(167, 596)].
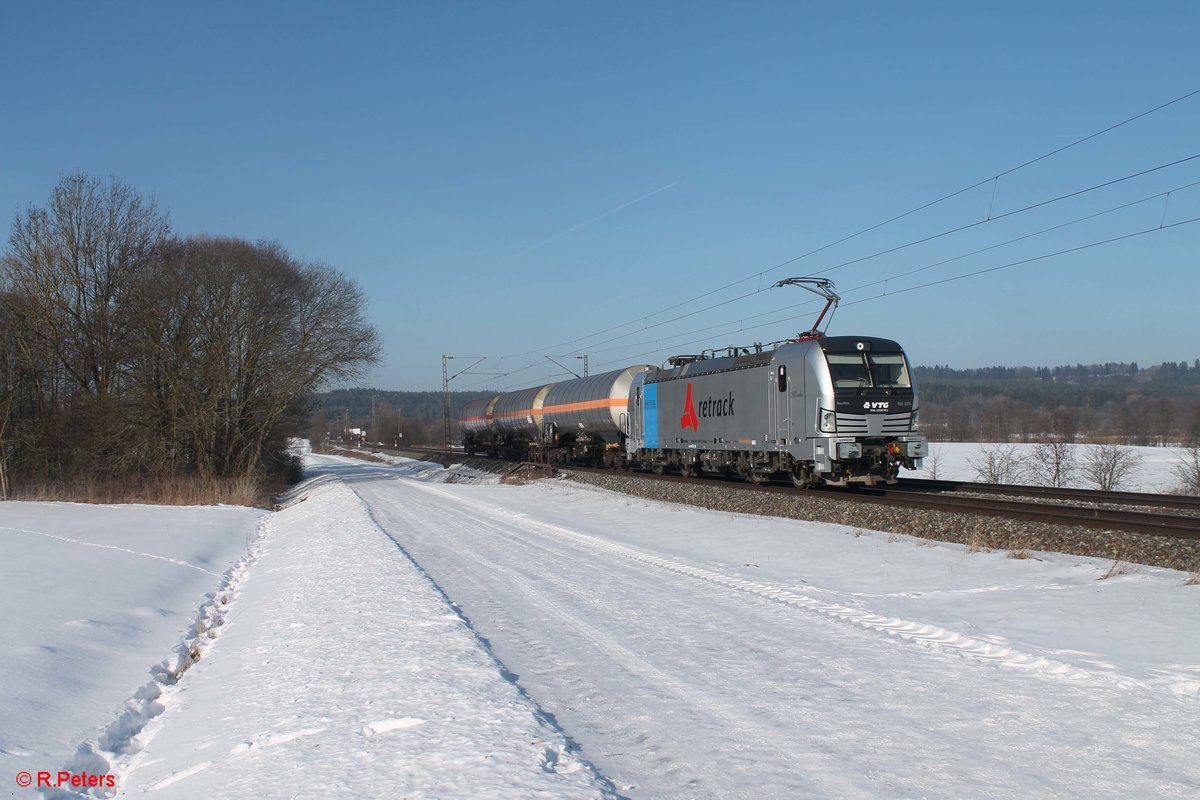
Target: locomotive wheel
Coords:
[(659, 469), (688, 469), (802, 480)]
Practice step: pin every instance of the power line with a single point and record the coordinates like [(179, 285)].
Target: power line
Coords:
[(1155, 229), (990, 218), (910, 212), (924, 240), (742, 326), (975, 273)]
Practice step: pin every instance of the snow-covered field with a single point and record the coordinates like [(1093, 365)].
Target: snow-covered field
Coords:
[(93, 597), (1154, 472), (412, 631)]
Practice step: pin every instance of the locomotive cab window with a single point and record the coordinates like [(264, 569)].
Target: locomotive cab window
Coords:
[(849, 370), (868, 370), (890, 370)]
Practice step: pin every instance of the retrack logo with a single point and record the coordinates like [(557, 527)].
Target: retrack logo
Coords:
[(712, 407), (689, 418)]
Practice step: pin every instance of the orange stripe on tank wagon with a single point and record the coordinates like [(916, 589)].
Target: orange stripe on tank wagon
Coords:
[(611, 402)]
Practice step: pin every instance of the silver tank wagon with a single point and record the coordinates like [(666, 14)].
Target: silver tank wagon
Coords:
[(476, 416), (596, 406), (519, 414)]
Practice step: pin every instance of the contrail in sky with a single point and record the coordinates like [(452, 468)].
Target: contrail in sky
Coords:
[(584, 224)]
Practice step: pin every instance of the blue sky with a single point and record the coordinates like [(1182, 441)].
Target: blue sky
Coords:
[(527, 179)]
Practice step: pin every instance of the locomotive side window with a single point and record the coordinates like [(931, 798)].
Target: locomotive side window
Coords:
[(848, 370), (890, 370), (782, 378)]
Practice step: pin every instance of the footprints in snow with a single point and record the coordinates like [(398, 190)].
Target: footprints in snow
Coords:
[(266, 740), (388, 725), (271, 739)]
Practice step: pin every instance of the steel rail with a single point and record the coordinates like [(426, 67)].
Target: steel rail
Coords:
[(1052, 492)]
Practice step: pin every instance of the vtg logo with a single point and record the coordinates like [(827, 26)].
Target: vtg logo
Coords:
[(875, 405)]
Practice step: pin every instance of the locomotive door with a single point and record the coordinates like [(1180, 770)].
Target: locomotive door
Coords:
[(634, 422), (781, 416)]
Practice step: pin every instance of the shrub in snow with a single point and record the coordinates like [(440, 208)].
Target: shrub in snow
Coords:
[(1051, 463), (1109, 465), (1188, 470), (997, 463)]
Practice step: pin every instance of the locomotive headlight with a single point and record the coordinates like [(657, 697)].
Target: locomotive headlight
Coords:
[(828, 422)]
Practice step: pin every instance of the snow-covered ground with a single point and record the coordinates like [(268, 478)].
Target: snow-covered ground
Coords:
[(413, 631), (1154, 472), (93, 598)]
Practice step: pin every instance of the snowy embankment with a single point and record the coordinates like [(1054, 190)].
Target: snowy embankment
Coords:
[(94, 599)]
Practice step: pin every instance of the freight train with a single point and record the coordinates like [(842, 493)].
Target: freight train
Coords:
[(815, 410)]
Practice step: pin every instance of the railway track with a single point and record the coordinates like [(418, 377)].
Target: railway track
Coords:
[(1182, 502), (1052, 506), (1053, 510)]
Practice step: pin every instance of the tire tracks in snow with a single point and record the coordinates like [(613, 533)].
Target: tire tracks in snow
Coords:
[(931, 637), (721, 714), (571, 752)]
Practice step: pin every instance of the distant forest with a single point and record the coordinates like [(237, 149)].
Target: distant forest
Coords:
[(1112, 402)]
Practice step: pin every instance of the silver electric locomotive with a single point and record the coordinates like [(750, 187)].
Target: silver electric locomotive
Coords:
[(833, 410)]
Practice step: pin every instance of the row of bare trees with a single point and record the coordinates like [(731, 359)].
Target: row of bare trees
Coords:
[(1054, 463), (128, 351)]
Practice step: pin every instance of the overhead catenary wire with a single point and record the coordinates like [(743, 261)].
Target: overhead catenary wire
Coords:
[(740, 325), (574, 342), (735, 326), (646, 354), (943, 234)]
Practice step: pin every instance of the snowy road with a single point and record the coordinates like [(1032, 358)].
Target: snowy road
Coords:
[(695, 654)]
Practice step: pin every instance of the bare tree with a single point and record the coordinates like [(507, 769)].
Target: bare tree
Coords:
[(387, 425), (126, 352), (244, 334), (933, 463), (1188, 470), (65, 283), (1108, 466), (1163, 414), (1064, 422), (1051, 463), (996, 463), (74, 263)]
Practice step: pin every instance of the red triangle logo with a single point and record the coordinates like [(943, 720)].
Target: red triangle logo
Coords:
[(689, 418)]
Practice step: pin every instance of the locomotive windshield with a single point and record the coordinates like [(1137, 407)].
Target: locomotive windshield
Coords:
[(868, 370)]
